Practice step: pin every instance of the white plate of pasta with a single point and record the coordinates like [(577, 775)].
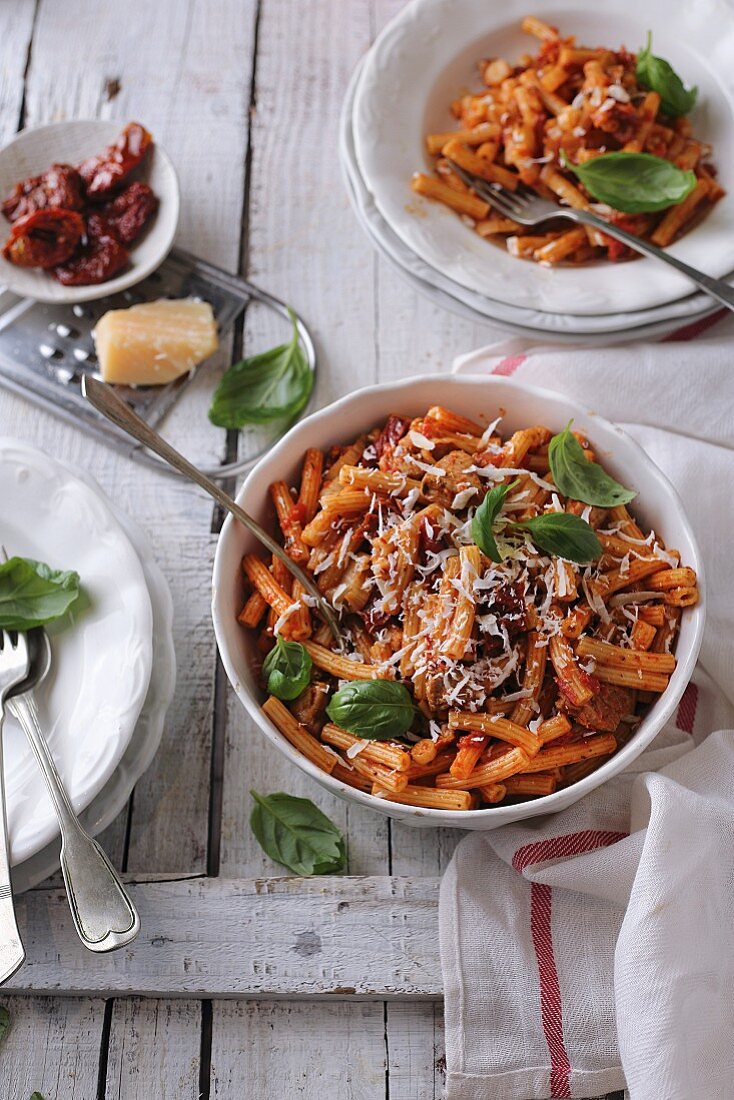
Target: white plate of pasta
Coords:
[(508, 646), (433, 76)]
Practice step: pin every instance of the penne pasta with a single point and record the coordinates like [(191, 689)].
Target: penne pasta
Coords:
[(516, 671), (531, 120)]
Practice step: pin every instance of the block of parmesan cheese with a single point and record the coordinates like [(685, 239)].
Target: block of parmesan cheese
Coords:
[(154, 342)]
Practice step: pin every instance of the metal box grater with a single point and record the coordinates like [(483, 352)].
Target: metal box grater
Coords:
[(45, 349)]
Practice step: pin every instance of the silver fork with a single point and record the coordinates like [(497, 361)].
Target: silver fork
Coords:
[(13, 670), (526, 208)]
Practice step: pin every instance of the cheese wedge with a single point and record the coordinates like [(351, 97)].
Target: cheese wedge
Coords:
[(154, 342)]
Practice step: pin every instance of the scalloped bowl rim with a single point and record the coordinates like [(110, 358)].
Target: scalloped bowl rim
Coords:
[(323, 429)]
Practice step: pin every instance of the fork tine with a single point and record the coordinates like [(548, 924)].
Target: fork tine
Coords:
[(496, 196)]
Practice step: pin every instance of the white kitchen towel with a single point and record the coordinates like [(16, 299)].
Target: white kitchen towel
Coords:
[(594, 948)]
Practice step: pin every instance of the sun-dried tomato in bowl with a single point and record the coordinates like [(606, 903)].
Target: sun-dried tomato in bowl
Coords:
[(100, 259), (104, 172), (60, 185), (126, 215), (44, 238), (79, 222)]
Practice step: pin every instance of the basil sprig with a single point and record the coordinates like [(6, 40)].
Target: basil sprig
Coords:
[(565, 535), (377, 710), (580, 479), (32, 594), (294, 832), (635, 183), (287, 669), (482, 525), (274, 385), (658, 75), (560, 533)]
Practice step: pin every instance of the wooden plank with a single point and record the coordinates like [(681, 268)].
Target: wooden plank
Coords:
[(52, 1047), (415, 1043), (298, 1050), (16, 27), (154, 1050), (354, 938)]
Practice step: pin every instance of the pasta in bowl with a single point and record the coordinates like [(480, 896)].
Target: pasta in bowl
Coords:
[(508, 646)]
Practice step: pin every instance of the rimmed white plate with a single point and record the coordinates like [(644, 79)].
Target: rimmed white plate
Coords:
[(141, 749), (592, 328), (35, 150), (427, 55), (102, 658)]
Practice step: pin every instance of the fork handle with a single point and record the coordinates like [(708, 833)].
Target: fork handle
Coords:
[(104, 916), (12, 952), (715, 288)]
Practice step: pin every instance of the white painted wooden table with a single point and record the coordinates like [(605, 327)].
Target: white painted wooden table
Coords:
[(238, 986)]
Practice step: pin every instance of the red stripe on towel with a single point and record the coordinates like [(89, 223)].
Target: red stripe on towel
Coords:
[(690, 332), (509, 365), (686, 716), (541, 910)]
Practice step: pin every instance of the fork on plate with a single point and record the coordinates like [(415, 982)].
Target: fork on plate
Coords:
[(527, 208), (14, 663)]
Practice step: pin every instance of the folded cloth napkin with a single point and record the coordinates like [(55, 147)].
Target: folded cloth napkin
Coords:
[(594, 948)]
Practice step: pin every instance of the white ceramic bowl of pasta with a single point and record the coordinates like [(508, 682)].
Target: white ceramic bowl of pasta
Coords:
[(657, 506)]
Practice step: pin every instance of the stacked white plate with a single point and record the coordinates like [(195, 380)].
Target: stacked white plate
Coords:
[(401, 90), (103, 704)]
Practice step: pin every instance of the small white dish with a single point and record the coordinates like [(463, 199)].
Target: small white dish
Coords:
[(481, 398), (33, 151), (137, 757), (562, 327), (91, 700), (427, 56)]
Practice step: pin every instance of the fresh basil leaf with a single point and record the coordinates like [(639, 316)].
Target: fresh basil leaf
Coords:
[(580, 479), (288, 669), (482, 525), (32, 594), (36, 1096), (658, 75), (634, 183), (377, 710), (565, 535), (4, 1022), (294, 832), (274, 385)]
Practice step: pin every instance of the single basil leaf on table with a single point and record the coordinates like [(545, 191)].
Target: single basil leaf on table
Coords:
[(32, 594), (578, 478), (287, 669), (36, 1096), (482, 525), (634, 183), (658, 75), (274, 385), (565, 535), (294, 832), (377, 710)]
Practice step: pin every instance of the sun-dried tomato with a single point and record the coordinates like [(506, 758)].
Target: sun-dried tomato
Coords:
[(394, 430), (60, 186), (373, 617), (99, 260), (45, 238), (106, 171), (431, 540), (126, 215)]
